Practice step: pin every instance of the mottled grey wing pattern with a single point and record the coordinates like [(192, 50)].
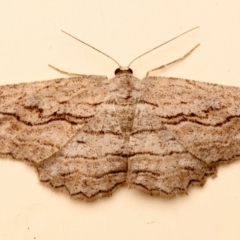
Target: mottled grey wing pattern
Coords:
[(95, 162), (89, 134), (90, 165), (182, 131), (37, 119), (70, 130)]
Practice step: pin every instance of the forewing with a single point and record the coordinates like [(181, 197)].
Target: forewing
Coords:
[(37, 119), (183, 130)]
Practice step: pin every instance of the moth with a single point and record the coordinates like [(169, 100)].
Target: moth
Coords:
[(88, 135)]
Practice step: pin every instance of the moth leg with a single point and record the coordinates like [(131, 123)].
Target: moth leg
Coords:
[(64, 72), (179, 59)]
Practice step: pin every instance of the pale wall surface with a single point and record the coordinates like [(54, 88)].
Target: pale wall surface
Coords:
[(31, 38)]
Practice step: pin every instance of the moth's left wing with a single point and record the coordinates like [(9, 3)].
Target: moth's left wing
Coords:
[(183, 130), (39, 118)]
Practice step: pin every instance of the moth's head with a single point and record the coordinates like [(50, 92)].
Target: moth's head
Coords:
[(123, 70)]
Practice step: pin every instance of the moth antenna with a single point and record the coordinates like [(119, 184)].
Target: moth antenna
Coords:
[(161, 45), (92, 47)]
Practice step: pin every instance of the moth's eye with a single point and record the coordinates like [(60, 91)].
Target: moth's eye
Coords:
[(121, 71), (117, 71)]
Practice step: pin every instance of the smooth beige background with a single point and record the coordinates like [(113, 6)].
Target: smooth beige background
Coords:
[(31, 38)]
